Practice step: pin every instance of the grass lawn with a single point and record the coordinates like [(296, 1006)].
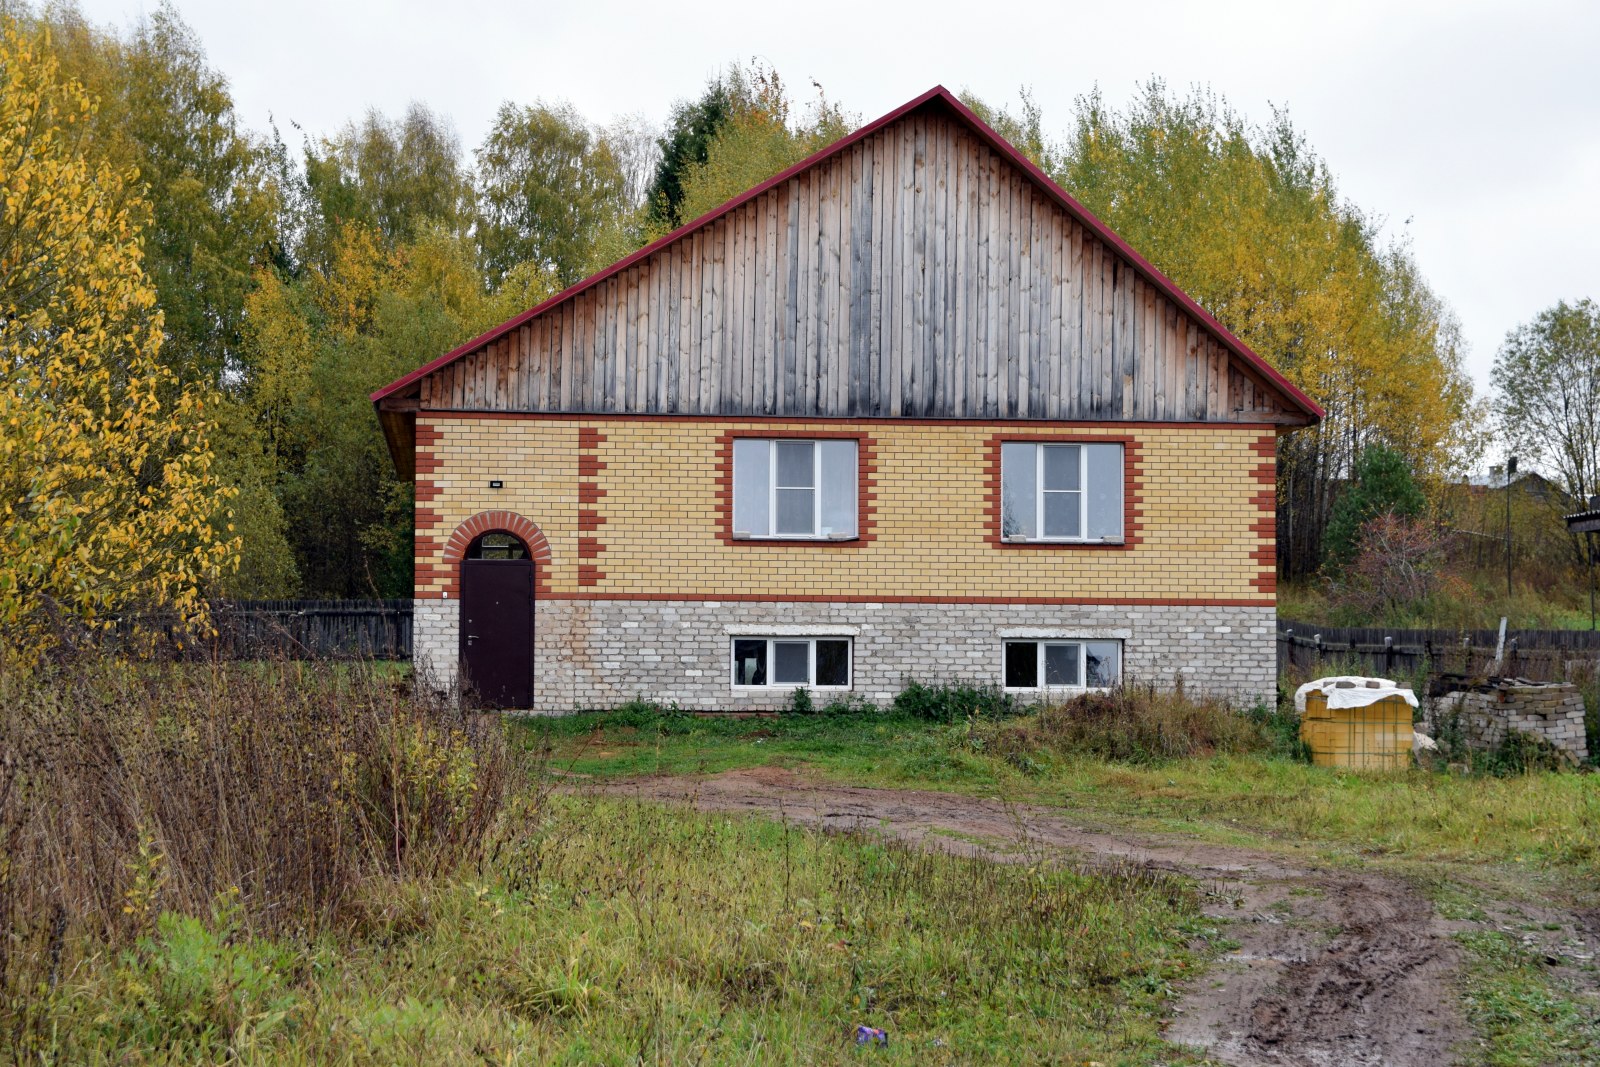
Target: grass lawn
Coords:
[(565, 927), (1468, 842), (1548, 821), (626, 933)]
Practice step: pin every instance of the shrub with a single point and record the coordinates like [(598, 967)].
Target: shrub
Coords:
[(849, 704), (800, 702), (1519, 753), (1130, 724), (954, 702), (1280, 729), (1382, 483), (132, 791)]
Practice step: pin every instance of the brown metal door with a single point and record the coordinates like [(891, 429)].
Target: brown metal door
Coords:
[(497, 631)]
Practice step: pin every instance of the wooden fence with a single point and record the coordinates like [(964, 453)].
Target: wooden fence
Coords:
[(1543, 655), (313, 629)]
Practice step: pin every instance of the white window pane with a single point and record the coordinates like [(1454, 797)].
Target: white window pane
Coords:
[(833, 662), (750, 662), (1019, 490), (1105, 492), (1061, 518), (1061, 467), (1060, 664), (1022, 665), (795, 464), (791, 662), (797, 511), (750, 500), (838, 459), (1104, 662)]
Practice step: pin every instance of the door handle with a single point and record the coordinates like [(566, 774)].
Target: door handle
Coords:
[(471, 638)]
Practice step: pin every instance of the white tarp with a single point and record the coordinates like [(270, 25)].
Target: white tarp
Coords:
[(1352, 691)]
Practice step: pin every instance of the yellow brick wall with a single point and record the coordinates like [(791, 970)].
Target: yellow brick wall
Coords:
[(1205, 500)]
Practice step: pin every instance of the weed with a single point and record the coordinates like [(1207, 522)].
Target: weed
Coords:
[(1128, 724), (954, 702), (131, 792), (800, 702), (1524, 1015)]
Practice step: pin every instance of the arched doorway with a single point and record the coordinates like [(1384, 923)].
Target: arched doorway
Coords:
[(497, 586)]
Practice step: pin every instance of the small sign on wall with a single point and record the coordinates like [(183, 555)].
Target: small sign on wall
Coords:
[(497, 484)]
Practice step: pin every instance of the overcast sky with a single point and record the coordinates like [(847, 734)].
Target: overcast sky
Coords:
[(1472, 128)]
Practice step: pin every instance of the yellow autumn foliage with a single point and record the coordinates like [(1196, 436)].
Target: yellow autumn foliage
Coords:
[(106, 491)]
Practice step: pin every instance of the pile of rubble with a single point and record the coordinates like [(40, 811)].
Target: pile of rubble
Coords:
[(1552, 711)]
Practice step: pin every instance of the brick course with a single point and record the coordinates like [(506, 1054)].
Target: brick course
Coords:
[(600, 653)]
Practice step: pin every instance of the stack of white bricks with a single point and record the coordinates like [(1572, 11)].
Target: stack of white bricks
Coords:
[(1552, 711)]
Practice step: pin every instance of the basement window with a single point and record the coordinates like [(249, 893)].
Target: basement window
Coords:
[(1061, 493), (1062, 665), (791, 662), (794, 490)]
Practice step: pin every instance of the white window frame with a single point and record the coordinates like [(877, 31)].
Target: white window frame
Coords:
[(1040, 643), (816, 533), (1039, 492), (811, 661)]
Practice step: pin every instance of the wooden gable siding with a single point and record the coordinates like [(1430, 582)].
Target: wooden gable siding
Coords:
[(917, 273)]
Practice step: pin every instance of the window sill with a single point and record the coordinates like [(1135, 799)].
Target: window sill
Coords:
[(789, 687), (1059, 690), (746, 539), (1037, 542)]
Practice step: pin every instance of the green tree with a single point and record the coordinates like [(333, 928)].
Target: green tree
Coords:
[(393, 176), (686, 144), (323, 339), (165, 112), (547, 182), (1546, 379), (1382, 484), (760, 137)]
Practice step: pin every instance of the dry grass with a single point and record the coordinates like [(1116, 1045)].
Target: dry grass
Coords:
[(131, 791), (1133, 724)]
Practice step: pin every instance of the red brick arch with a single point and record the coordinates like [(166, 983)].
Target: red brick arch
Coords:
[(483, 522)]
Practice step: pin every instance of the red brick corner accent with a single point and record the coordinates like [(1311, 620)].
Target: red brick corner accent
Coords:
[(1132, 489), (866, 488), (1266, 524), (449, 568), (589, 494)]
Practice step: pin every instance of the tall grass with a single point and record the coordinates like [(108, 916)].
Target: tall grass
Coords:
[(654, 934), (129, 792), (1130, 724)]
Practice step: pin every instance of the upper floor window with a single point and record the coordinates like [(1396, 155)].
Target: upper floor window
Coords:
[(799, 490), (1061, 492)]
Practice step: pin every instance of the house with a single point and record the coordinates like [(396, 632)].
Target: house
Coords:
[(905, 410)]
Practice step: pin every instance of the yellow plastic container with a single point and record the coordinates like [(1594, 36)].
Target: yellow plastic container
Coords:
[(1376, 737)]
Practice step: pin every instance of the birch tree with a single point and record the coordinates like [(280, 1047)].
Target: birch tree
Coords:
[(1546, 380)]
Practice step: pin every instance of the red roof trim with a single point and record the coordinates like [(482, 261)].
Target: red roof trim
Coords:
[(987, 135)]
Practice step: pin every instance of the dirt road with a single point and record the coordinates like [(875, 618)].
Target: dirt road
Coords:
[(1334, 967)]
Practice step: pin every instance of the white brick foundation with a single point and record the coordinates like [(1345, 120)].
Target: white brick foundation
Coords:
[(600, 653)]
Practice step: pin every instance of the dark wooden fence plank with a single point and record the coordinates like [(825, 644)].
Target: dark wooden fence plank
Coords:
[(313, 629), (1543, 655)]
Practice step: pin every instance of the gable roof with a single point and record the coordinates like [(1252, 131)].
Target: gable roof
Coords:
[(938, 96)]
